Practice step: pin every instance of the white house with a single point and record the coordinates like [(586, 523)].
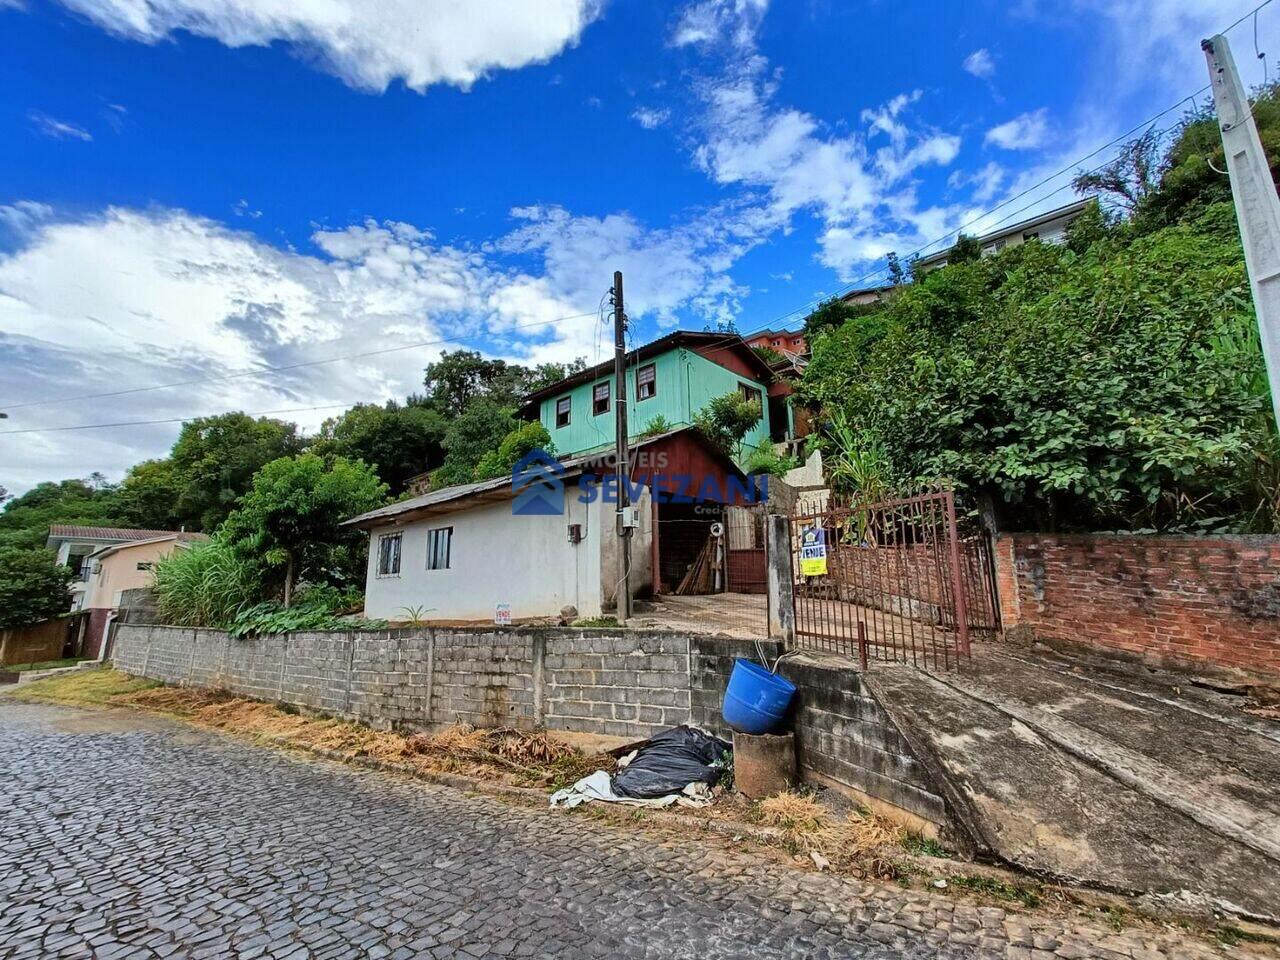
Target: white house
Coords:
[(457, 554)]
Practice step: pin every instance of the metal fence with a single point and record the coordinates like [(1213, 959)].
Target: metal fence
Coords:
[(891, 580)]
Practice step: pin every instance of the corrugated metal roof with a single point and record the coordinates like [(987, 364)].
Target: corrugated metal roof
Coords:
[(61, 531), (572, 468)]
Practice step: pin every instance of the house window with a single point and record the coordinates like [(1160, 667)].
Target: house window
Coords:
[(600, 399), (144, 564), (1031, 236), (646, 382), (563, 406), (389, 555), (439, 546), (751, 394)]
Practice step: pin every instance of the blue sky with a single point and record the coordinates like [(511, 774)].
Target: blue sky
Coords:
[(196, 189)]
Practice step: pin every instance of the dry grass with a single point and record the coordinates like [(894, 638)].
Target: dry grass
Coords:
[(862, 844), (512, 756)]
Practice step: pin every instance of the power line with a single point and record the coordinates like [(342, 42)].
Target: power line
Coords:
[(143, 423), (1246, 16), (280, 369)]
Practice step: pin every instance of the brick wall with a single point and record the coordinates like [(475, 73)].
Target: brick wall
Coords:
[(621, 683), (1198, 602)]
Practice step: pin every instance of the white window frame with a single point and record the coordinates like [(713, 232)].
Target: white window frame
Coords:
[(595, 398), (568, 411), (433, 548), (398, 538), (652, 384)]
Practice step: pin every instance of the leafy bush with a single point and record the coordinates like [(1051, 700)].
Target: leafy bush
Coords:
[(765, 459), (33, 587), (271, 617), (657, 426), (1091, 390), (726, 420), (205, 585)]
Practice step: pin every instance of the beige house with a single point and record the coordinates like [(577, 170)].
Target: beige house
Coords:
[(113, 569)]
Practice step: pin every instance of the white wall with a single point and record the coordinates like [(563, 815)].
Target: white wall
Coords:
[(527, 562)]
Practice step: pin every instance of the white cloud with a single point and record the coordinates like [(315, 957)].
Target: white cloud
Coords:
[(130, 298), (1157, 42), (57, 129), (986, 182), (709, 22), (650, 118), (1025, 132), (22, 216), (980, 64), (665, 269), (368, 44)]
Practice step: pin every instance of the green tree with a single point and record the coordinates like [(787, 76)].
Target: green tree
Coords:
[(481, 428), (462, 377), (148, 497), (25, 520), (215, 459), (1086, 391), (835, 313), (966, 249), (399, 441), (1131, 177), (726, 420), (33, 587), (289, 521), (520, 441)]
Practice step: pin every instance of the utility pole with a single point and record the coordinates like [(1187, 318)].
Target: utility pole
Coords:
[(622, 455), (1257, 205)]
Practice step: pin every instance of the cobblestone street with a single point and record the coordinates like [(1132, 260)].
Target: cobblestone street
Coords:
[(124, 835)]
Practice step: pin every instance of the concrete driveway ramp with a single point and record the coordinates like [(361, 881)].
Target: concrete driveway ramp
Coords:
[(1128, 782)]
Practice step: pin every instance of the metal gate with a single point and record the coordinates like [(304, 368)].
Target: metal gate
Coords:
[(891, 580)]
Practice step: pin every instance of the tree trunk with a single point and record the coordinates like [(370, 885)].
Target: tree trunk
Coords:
[(288, 582)]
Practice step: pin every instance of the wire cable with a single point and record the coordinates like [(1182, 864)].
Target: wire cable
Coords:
[(142, 423), (278, 369)]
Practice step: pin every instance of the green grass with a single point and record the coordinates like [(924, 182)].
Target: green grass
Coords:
[(93, 688), (596, 622), (996, 889), (925, 847), (45, 664)]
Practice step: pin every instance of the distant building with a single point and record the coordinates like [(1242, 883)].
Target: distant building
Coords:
[(74, 543), (1050, 227), (784, 341)]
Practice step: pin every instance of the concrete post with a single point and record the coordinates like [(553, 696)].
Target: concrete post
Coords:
[(538, 651), (1257, 206), (781, 582)]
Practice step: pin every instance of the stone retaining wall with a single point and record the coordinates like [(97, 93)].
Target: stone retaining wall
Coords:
[(626, 683)]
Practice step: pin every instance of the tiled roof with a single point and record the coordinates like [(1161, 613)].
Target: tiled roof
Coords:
[(74, 532)]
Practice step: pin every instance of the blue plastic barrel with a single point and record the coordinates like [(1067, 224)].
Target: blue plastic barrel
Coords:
[(756, 701)]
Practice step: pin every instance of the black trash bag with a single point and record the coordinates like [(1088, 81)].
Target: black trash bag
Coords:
[(669, 761)]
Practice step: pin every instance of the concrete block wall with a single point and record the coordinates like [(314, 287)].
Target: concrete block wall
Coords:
[(845, 737), (1192, 602), (620, 683), (616, 682)]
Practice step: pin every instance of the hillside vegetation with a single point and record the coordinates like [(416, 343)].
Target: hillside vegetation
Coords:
[(1112, 383)]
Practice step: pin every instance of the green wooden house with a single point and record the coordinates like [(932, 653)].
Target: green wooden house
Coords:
[(674, 378)]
